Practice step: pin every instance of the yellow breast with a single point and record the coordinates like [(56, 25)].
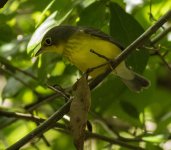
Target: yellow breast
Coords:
[(78, 47)]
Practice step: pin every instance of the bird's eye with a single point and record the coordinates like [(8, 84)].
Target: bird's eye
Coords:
[(48, 41)]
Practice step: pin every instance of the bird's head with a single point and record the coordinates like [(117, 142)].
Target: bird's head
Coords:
[(55, 39)]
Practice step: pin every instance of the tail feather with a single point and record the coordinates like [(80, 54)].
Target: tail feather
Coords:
[(134, 81), (137, 84)]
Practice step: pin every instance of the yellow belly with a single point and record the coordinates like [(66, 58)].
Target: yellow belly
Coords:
[(77, 50)]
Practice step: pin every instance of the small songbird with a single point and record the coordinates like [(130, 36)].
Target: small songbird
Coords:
[(84, 47)]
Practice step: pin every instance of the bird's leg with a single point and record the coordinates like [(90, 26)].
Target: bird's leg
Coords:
[(86, 74), (88, 71)]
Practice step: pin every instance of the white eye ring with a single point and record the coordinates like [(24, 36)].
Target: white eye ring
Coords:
[(48, 41)]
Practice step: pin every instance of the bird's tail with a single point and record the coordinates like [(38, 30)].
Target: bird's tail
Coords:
[(134, 81), (137, 83)]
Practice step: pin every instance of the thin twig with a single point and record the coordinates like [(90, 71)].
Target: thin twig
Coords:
[(20, 116), (17, 78), (28, 117), (164, 61), (59, 91), (156, 51), (160, 36), (40, 101), (112, 141), (11, 67), (10, 71)]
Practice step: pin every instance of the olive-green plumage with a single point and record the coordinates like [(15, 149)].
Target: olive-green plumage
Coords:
[(76, 43)]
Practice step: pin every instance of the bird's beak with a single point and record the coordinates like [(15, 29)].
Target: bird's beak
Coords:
[(39, 52)]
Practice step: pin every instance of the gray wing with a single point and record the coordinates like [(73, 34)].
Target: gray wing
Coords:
[(102, 35)]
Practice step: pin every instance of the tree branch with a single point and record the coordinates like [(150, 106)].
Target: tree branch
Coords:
[(18, 79), (13, 68), (28, 117), (64, 129), (46, 125)]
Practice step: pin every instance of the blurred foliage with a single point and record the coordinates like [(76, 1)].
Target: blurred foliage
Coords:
[(145, 115)]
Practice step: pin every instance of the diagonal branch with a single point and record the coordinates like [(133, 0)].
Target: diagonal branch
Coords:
[(42, 128), (128, 50)]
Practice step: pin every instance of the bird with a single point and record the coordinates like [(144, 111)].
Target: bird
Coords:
[(86, 48)]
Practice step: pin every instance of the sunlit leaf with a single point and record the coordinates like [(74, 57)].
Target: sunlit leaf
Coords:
[(12, 88), (34, 43), (16, 84), (154, 139)]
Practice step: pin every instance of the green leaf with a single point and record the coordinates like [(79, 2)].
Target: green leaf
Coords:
[(141, 100), (94, 15), (125, 29), (46, 64), (129, 109), (34, 43), (154, 138), (107, 94), (12, 88), (66, 79), (5, 31)]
